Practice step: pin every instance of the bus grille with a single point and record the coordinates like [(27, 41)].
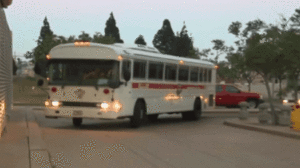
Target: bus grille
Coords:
[(81, 104)]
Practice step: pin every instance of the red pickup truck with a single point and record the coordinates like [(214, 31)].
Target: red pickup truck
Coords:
[(230, 96)]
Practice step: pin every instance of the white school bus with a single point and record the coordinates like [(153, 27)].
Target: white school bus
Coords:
[(91, 80)]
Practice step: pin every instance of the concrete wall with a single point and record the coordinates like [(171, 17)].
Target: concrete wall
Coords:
[(6, 70)]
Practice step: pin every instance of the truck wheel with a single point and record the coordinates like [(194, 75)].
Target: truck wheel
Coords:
[(153, 117), (77, 122), (252, 104), (138, 115)]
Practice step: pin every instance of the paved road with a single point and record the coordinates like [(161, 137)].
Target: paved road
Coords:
[(170, 142)]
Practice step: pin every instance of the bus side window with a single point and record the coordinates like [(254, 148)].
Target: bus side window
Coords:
[(204, 75), (155, 70), (139, 69), (183, 73), (201, 75), (126, 66), (209, 75), (171, 72), (194, 74)]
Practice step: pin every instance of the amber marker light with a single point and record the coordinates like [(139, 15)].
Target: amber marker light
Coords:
[(120, 57), (181, 62), (82, 43), (48, 57), (172, 97)]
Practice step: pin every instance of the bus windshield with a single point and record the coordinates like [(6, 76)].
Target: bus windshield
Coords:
[(82, 72)]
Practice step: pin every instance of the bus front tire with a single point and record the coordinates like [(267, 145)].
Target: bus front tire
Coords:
[(138, 115), (77, 122)]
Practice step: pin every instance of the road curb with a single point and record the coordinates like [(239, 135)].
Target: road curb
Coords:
[(261, 129), (39, 155)]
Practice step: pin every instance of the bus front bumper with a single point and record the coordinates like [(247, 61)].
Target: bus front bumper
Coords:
[(80, 112)]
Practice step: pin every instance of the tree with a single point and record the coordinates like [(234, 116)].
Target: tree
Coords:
[(224, 73), (261, 57), (71, 39), (44, 48), (237, 59), (164, 38), (44, 31), (84, 36), (237, 62), (112, 30), (218, 49), (182, 43), (140, 40), (62, 39), (205, 53), (99, 38), (291, 51), (194, 53), (15, 68), (29, 55)]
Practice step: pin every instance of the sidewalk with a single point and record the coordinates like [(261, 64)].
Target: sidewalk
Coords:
[(254, 125), (21, 145)]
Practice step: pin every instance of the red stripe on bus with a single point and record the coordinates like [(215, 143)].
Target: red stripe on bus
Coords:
[(166, 86), (135, 85)]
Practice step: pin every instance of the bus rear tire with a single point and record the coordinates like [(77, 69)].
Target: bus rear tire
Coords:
[(77, 122), (139, 114), (153, 117), (195, 114)]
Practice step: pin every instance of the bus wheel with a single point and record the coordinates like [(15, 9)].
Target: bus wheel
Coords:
[(196, 114), (138, 114), (77, 122), (153, 117)]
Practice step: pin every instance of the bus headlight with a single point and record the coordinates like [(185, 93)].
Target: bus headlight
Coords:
[(56, 103), (285, 101), (116, 106), (104, 105), (47, 103), (299, 101)]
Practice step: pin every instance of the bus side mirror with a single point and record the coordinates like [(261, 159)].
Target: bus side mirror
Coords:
[(40, 82), (126, 75), (114, 83)]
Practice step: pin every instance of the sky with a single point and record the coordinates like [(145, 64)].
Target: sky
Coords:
[(204, 20)]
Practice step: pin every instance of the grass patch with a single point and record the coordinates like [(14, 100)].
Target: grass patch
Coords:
[(31, 78), (25, 91)]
